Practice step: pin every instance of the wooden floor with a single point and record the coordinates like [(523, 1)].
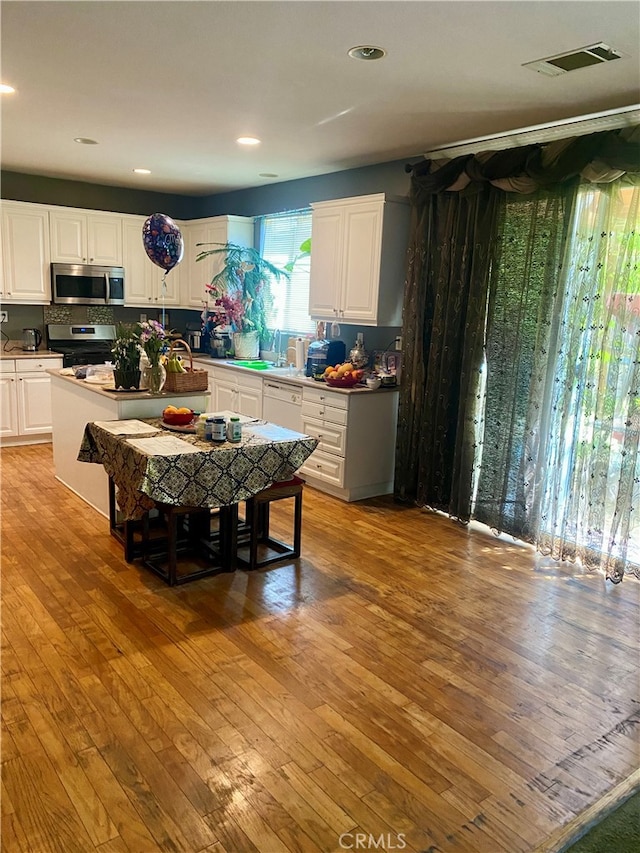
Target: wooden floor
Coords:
[(426, 686)]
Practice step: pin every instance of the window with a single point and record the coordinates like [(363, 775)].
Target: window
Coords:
[(281, 236)]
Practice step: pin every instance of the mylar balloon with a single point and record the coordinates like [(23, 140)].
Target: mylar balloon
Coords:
[(163, 241)]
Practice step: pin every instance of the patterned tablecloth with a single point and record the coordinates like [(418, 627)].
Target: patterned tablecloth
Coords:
[(202, 474)]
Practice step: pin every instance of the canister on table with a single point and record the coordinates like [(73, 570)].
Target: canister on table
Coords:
[(219, 429), (234, 430), (201, 427)]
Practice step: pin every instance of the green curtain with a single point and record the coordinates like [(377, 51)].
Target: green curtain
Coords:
[(450, 257), (521, 338), (519, 404)]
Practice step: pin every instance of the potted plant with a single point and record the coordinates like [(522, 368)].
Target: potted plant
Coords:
[(152, 340), (242, 294), (126, 356)]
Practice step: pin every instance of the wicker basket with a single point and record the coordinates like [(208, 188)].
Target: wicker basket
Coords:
[(192, 380)]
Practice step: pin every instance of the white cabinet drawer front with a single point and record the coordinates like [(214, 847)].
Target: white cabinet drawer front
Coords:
[(322, 412), (245, 380), (37, 365), (326, 467), (320, 395), (331, 438), (7, 365)]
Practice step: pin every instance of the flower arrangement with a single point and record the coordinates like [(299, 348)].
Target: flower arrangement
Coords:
[(126, 347), (242, 288), (152, 340)]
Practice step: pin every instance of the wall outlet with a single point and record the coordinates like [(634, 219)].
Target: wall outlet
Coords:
[(143, 318), (4, 316), (399, 343)]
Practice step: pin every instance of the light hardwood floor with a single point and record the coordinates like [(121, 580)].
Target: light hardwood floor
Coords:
[(426, 686)]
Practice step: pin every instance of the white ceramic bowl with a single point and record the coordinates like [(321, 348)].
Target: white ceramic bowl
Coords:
[(373, 382)]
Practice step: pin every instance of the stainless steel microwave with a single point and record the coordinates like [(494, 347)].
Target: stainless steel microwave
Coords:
[(84, 284)]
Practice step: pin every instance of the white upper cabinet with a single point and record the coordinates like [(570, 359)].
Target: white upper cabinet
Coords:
[(216, 229), (84, 237), (26, 258), (358, 256), (143, 280)]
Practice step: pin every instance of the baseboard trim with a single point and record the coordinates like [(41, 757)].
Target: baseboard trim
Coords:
[(576, 828)]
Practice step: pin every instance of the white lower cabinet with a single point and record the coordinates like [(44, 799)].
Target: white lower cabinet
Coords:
[(356, 433), (8, 404), (235, 392), (26, 399)]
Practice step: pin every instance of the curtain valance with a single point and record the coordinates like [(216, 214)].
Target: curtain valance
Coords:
[(595, 157)]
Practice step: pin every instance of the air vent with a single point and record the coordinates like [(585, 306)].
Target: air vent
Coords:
[(593, 54)]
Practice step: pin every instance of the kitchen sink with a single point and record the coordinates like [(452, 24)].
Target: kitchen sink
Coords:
[(253, 365)]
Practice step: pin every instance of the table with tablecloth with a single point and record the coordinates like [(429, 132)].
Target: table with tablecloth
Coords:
[(190, 471)]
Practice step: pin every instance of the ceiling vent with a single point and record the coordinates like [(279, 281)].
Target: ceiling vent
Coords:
[(593, 54)]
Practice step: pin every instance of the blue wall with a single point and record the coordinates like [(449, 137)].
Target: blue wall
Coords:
[(389, 178)]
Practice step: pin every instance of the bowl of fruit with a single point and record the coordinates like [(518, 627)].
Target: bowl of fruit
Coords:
[(177, 416), (343, 375)]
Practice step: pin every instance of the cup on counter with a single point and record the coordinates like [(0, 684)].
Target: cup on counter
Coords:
[(373, 382)]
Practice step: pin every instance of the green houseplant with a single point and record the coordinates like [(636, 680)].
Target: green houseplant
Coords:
[(241, 291), (126, 356)]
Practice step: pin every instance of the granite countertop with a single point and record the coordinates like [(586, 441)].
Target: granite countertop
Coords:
[(18, 352), (124, 395), (283, 374)]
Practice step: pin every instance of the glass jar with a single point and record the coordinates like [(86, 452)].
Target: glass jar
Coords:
[(155, 376)]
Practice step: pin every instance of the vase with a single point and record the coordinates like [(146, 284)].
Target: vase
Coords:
[(126, 379), (155, 376), (246, 344)]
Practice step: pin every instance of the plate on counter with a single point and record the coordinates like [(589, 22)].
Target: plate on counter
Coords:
[(191, 428), (99, 380)]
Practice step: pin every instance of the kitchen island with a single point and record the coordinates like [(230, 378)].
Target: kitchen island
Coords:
[(74, 403)]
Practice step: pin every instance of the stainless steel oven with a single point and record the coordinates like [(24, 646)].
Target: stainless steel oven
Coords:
[(83, 284)]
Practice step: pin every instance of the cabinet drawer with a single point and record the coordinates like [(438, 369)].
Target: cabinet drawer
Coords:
[(37, 365), (323, 412), (324, 466), (321, 395), (331, 438), (7, 365)]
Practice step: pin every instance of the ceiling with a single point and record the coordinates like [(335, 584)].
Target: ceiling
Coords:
[(169, 86)]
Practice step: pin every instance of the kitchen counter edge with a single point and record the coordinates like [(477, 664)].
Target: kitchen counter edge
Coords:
[(124, 395)]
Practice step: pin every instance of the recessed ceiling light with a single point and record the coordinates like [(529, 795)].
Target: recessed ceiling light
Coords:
[(248, 140), (83, 140), (142, 171), (267, 175), (5, 89), (367, 51)]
